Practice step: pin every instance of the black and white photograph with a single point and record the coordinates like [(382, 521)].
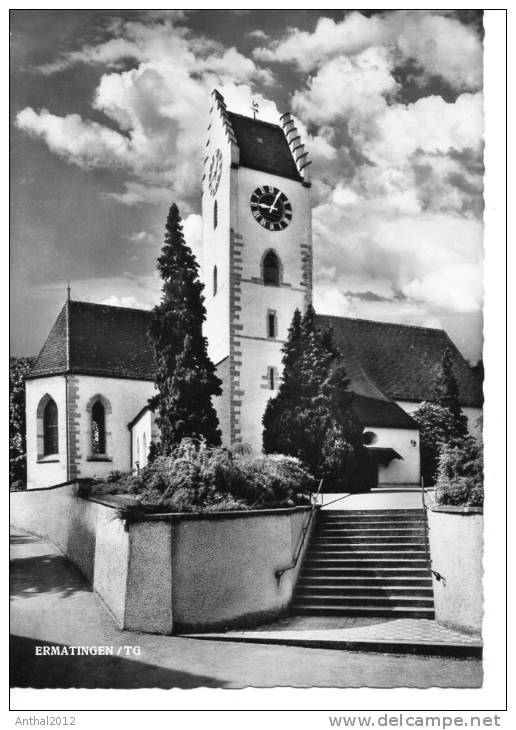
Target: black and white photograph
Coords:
[(247, 258)]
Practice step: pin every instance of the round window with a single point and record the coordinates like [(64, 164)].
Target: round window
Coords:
[(369, 437)]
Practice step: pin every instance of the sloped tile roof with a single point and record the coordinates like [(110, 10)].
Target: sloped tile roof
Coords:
[(100, 340), (263, 146), (402, 361)]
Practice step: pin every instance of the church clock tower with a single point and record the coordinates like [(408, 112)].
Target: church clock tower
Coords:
[(257, 258)]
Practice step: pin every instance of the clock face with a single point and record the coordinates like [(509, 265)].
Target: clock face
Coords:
[(215, 171), (271, 208)]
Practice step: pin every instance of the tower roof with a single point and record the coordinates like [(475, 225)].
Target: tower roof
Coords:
[(263, 146)]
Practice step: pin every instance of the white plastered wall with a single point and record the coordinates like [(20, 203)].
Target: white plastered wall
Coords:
[(45, 471), (405, 442), (258, 351), (126, 399), (142, 433)]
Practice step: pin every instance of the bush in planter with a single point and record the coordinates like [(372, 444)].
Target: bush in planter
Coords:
[(460, 475), (199, 478)]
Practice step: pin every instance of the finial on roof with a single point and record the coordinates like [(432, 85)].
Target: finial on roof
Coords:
[(68, 292), (255, 107)]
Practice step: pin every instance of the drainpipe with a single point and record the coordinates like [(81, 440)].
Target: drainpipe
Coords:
[(67, 430)]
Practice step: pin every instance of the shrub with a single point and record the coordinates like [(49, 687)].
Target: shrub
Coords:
[(436, 428), (199, 478), (460, 475)]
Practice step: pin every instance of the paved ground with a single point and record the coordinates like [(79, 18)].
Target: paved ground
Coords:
[(53, 606), (395, 497), (405, 634)]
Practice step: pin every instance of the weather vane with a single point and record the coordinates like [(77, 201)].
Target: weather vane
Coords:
[(255, 106)]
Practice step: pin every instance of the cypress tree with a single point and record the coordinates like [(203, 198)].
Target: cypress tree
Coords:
[(185, 376), (446, 394), (312, 415)]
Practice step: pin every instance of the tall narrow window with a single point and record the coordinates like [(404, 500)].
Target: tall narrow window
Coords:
[(50, 429), (271, 324), (215, 214), (272, 379), (215, 281), (271, 269), (98, 428)]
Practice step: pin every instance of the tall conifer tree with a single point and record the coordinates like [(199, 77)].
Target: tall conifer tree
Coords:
[(446, 394), (185, 376), (312, 416)]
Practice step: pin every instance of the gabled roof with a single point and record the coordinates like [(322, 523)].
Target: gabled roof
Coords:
[(96, 339), (263, 146), (402, 361)]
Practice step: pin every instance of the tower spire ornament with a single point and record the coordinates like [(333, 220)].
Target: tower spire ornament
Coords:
[(68, 291), (255, 107)]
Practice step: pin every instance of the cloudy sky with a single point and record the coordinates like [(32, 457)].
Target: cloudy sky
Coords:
[(109, 115)]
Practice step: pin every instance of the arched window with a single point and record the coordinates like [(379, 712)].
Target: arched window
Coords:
[(50, 429), (215, 280), (271, 269), (98, 428), (215, 214)]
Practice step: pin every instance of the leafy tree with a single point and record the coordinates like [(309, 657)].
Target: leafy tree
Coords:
[(312, 416), (436, 428), (18, 369), (460, 474), (446, 394), (185, 377)]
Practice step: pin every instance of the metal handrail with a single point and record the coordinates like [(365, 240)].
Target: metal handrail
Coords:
[(435, 573), (279, 572)]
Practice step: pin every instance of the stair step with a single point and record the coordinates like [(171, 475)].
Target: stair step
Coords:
[(396, 533), (330, 599), (379, 591), (365, 572), (346, 610), (369, 539), (325, 552), (334, 512), (363, 563), (363, 519), (320, 581)]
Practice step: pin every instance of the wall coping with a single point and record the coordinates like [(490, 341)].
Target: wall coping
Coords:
[(229, 515), (456, 509)]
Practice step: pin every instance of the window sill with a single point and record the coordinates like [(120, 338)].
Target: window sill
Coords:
[(98, 457), (50, 459)]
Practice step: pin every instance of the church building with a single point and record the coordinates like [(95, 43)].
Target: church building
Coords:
[(86, 396)]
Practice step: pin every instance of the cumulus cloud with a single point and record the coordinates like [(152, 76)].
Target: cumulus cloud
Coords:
[(130, 302), (397, 189), (158, 108), (438, 45)]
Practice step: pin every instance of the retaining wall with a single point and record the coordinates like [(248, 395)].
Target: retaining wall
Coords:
[(456, 548), (176, 572)]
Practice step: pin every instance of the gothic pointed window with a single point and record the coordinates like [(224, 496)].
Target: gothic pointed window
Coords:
[(98, 428), (215, 214), (271, 269), (215, 280), (50, 429)]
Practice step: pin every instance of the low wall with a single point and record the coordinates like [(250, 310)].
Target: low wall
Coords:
[(456, 547), (223, 567), (88, 533), (177, 572)]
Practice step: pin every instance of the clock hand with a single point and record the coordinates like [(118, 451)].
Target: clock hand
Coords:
[(273, 206)]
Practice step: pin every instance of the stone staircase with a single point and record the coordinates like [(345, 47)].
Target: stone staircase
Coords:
[(366, 563)]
